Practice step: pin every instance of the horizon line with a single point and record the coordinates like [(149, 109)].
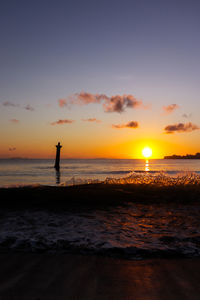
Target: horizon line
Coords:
[(80, 158)]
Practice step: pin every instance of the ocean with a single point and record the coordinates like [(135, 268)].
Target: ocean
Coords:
[(129, 231), (16, 172)]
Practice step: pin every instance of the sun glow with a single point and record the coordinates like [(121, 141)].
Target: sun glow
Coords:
[(147, 152)]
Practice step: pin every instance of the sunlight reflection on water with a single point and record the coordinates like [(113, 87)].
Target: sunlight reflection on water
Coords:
[(147, 166), (77, 171)]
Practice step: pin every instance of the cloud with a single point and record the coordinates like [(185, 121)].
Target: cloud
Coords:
[(131, 124), (60, 122), (120, 103), (15, 121), (62, 102), (170, 108), (11, 104), (181, 127), (29, 107), (12, 149), (91, 120), (115, 103), (87, 98), (187, 116)]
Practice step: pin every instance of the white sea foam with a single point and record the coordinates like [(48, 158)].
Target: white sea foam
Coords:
[(134, 231), (160, 179), (143, 178)]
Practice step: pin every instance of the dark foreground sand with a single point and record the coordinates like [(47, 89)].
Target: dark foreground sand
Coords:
[(27, 276), (45, 276), (95, 196)]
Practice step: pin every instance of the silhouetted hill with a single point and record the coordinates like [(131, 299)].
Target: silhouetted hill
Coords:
[(187, 156)]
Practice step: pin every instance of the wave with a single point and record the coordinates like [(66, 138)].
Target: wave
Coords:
[(143, 178), (171, 178), (131, 232), (132, 253), (158, 179)]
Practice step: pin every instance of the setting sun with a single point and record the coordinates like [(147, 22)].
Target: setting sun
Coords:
[(147, 152)]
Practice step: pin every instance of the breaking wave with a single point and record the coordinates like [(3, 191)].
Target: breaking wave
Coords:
[(131, 231), (144, 178)]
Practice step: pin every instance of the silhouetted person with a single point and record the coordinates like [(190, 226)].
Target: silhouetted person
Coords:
[(57, 162)]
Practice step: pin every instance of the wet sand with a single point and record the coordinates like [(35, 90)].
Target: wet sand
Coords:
[(46, 277)]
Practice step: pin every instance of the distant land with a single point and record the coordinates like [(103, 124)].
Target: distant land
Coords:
[(187, 156)]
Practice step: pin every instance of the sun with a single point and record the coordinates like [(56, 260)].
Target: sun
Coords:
[(147, 152)]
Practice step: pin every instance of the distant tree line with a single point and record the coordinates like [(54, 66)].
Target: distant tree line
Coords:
[(187, 156)]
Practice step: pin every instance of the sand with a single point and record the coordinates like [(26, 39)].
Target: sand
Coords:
[(26, 276), (29, 276)]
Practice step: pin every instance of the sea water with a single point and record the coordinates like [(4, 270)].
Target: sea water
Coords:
[(41, 171), (131, 231)]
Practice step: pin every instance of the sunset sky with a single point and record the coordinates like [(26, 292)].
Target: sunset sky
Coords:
[(105, 78)]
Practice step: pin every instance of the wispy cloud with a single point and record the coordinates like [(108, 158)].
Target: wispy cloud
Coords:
[(181, 127), (131, 124), (87, 98), (14, 121), (62, 102), (11, 104), (60, 122), (91, 120), (12, 149), (29, 107), (187, 116), (117, 103), (170, 108)]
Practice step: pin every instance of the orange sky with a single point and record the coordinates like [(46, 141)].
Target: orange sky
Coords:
[(92, 140)]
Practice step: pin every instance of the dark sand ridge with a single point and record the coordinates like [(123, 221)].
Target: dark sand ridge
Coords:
[(95, 195), (56, 277)]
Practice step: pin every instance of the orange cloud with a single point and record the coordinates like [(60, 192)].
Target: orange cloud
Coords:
[(115, 103), (181, 127), (120, 103), (87, 98), (170, 108), (62, 102), (15, 121), (131, 124), (60, 122), (91, 120)]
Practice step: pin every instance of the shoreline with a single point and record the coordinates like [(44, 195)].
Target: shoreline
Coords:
[(48, 277)]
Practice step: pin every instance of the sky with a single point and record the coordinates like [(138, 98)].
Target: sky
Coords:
[(104, 78)]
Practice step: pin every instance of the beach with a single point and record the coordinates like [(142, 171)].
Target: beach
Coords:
[(59, 277), (100, 150), (100, 241)]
